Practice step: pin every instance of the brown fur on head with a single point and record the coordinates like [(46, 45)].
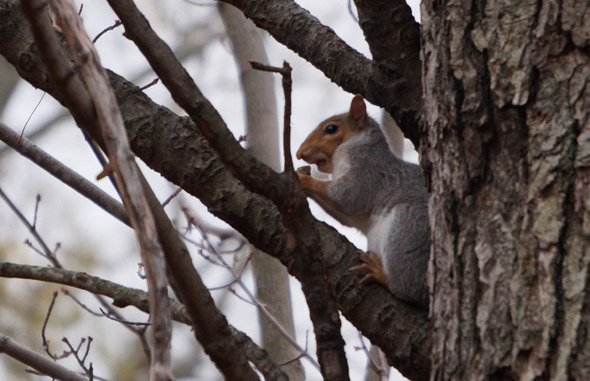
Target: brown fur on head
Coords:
[(320, 145)]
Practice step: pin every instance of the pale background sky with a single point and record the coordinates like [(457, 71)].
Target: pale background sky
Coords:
[(95, 242)]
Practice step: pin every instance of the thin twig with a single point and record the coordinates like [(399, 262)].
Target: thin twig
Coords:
[(37, 202), (252, 298), (44, 340), (171, 197), (287, 82), (32, 113), (377, 369), (46, 252), (104, 163), (115, 25), (79, 303), (152, 83), (87, 369), (126, 322)]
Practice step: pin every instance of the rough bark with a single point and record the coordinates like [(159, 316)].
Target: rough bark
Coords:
[(507, 100), (8, 81)]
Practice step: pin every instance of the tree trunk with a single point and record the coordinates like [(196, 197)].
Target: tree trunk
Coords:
[(508, 151)]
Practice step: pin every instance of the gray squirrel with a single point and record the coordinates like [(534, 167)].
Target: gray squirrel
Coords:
[(377, 193)]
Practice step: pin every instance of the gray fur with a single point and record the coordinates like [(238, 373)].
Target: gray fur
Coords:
[(377, 185)]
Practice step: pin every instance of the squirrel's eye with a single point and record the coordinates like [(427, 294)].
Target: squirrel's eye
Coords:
[(331, 129)]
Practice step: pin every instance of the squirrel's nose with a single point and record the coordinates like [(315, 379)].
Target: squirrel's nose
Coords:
[(299, 154)]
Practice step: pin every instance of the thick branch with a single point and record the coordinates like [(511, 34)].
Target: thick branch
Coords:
[(186, 93), (385, 86)]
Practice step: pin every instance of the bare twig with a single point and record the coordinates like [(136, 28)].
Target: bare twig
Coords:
[(44, 340), (32, 113), (37, 361), (81, 360), (35, 213), (285, 73), (152, 83), (104, 163), (79, 303), (371, 362), (171, 197), (126, 322), (112, 27), (251, 298), (46, 252)]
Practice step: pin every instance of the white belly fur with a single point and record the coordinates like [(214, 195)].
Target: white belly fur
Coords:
[(379, 230)]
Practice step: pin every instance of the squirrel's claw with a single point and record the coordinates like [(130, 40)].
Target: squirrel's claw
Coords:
[(373, 267)]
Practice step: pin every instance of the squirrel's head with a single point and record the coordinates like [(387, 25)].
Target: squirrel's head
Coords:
[(320, 145)]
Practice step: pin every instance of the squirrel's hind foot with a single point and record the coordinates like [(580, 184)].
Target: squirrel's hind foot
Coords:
[(373, 267)]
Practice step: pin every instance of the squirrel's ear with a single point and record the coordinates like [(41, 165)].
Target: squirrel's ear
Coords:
[(358, 109)]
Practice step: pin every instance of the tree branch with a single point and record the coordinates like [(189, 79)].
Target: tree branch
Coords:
[(63, 173), (185, 92), (37, 361), (300, 31)]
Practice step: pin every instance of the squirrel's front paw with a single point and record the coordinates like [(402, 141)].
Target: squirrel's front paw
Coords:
[(305, 170), (305, 179)]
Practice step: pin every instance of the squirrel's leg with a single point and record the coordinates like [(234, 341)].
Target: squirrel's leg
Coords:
[(373, 267)]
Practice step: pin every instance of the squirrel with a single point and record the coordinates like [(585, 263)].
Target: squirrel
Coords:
[(372, 190)]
